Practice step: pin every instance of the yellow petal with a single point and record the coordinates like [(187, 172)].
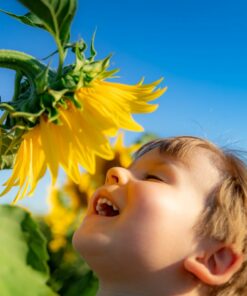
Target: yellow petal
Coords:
[(48, 142)]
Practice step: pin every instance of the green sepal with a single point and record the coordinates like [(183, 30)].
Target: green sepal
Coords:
[(63, 104), (93, 52), (81, 45), (75, 102), (69, 81), (31, 117), (47, 103), (53, 115), (108, 74), (42, 80), (80, 59), (96, 68), (57, 95), (83, 80)]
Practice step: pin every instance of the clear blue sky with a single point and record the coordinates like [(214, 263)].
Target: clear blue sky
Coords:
[(199, 47)]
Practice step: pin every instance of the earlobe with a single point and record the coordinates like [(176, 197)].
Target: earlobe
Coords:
[(214, 268)]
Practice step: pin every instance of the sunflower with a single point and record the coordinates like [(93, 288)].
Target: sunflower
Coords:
[(81, 133), (65, 118)]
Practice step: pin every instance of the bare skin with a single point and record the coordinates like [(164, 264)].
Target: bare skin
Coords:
[(142, 250)]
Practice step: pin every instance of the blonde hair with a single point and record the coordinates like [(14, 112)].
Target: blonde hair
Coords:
[(225, 214)]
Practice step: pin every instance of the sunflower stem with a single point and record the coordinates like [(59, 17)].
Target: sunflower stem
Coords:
[(20, 61), (61, 57)]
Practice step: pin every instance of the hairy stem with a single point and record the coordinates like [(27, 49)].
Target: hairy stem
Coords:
[(16, 60), (21, 62)]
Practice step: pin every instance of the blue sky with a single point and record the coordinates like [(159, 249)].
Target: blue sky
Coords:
[(199, 47)]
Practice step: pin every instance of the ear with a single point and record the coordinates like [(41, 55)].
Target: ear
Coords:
[(215, 267)]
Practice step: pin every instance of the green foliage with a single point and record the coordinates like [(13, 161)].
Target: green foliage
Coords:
[(23, 255), (69, 274), (55, 16), (28, 19), (72, 277)]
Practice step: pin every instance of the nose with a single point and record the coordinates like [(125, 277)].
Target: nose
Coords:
[(117, 175)]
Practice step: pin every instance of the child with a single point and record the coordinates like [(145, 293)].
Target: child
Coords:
[(173, 223)]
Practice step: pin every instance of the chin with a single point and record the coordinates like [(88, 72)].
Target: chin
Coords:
[(90, 244), (94, 249)]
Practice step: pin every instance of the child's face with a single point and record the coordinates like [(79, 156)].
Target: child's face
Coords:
[(159, 201)]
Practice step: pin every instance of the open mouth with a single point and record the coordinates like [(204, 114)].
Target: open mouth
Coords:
[(104, 207)]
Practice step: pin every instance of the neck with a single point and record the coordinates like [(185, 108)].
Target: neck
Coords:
[(108, 290), (117, 293), (169, 282)]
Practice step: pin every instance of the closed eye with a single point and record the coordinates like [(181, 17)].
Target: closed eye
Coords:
[(153, 177)]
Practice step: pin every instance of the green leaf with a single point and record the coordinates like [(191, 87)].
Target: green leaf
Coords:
[(55, 15), (28, 19), (23, 255), (87, 285)]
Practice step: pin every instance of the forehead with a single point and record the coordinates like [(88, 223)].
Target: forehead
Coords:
[(179, 147), (188, 156), (199, 167)]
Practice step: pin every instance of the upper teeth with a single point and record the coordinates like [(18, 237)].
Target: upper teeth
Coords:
[(104, 201)]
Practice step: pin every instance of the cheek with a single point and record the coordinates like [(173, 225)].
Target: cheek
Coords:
[(153, 201), (158, 215), (149, 214)]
